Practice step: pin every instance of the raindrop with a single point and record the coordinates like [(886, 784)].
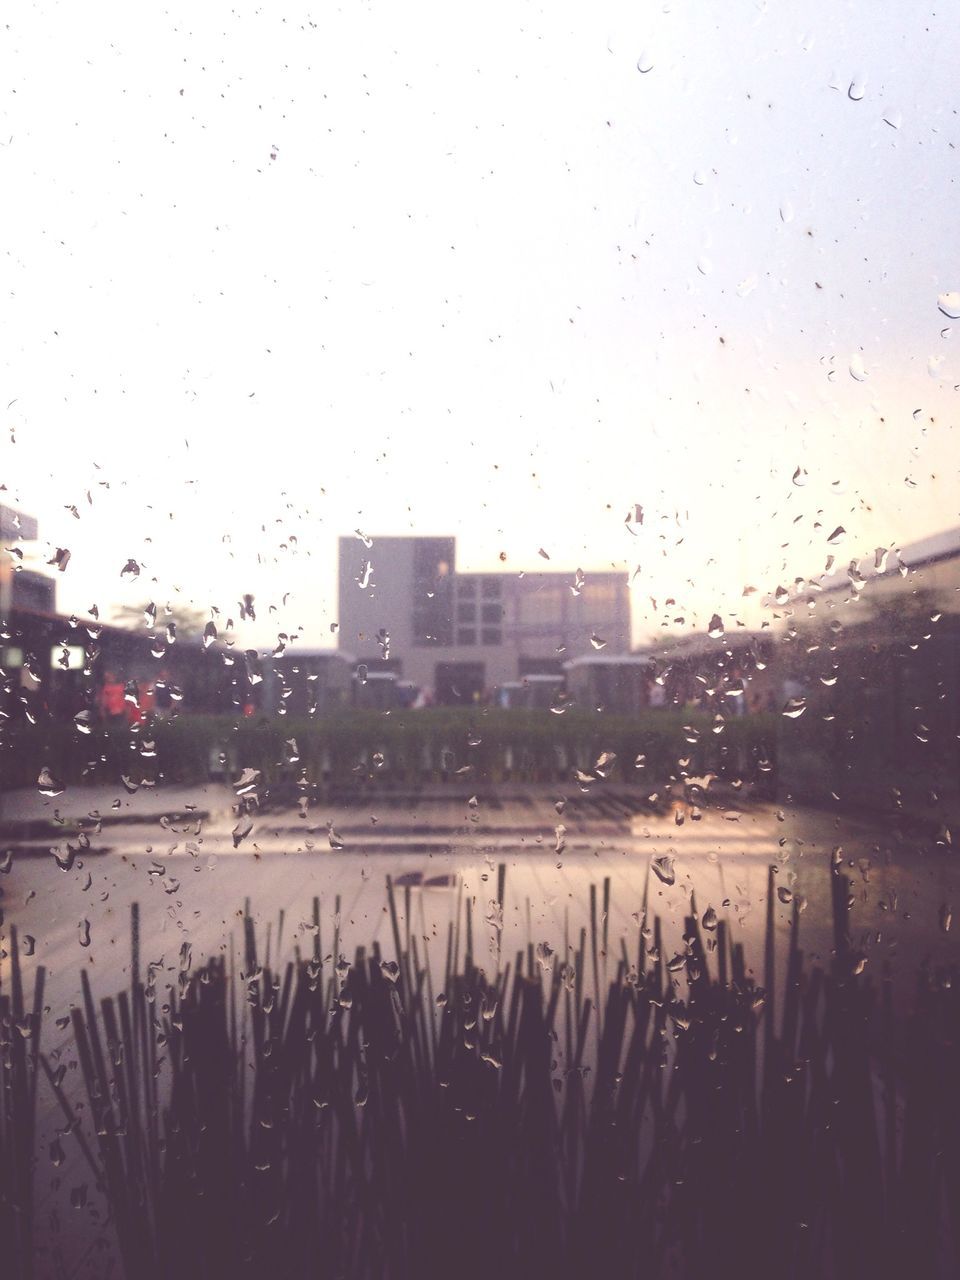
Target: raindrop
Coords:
[(209, 635), (858, 87), (65, 859), (645, 62), (29, 944), (857, 368), (48, 784), (664, 869), (837, 534), (715, 629), (784, 894), (709, 919), (786, 211), (946, 917), (949, 304), (597, 642), (704, 265), (800, 477), (241, 831), (130, 571), (333, 838), (83, 933), (794, 708)]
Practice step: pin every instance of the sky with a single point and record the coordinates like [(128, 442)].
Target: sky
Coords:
[(272, 274)]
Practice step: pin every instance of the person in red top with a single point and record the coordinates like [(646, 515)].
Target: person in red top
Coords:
[(111, 699)]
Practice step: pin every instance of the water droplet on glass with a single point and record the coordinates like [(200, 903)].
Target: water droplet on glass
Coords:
[(84, 721), (786, 211), (857, 367), (83, 933), (858, 87), (130, 571), (893, 118), (29, 944), (605, 764), (645, 62), (597, 642), (48, 785), (333, 839), (946, 917), (746, 286), (709, 919), (784, 894), (949, 304), (704, 265), (794, 708), (664, 869), (715, 629)]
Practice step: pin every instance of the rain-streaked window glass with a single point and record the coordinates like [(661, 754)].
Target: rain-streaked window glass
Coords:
[(479, 641)]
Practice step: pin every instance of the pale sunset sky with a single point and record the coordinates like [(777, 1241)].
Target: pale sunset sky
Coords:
[(275, 273)]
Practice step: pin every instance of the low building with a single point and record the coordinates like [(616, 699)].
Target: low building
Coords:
[(458, 635), (617, 682)]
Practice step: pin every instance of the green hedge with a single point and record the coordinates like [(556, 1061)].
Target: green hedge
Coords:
[(415, 746)]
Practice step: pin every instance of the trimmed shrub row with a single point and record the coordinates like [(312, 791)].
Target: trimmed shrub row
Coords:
[(404, 747)]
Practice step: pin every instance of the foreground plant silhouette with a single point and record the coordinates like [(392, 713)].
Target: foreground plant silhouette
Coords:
[(547, 1119)]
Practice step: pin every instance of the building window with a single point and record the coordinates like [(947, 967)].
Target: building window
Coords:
[(492, 613), (491, 635), (491, 589), (466, 586), (466, 635), (466, 613)]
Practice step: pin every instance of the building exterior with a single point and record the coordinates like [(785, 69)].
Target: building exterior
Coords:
[(404, 607), (21, 588), (616, 682)]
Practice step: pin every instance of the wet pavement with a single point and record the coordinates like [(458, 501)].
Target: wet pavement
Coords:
[(177, 854)]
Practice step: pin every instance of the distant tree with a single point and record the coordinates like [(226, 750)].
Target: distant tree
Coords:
[(189, 621)]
